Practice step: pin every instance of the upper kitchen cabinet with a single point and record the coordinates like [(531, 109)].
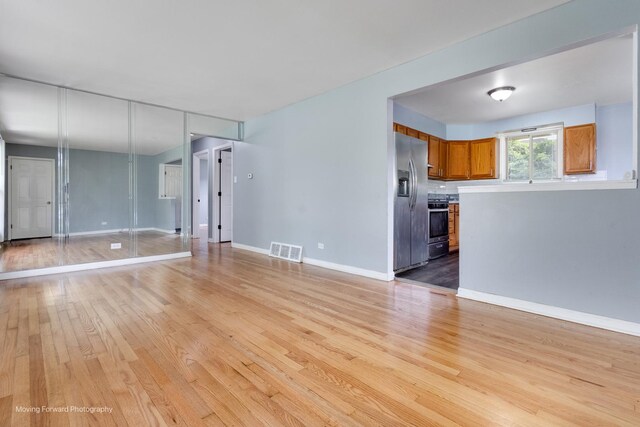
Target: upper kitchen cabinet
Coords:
[(580, 149), (413, 133), (399, 128), (457, 160), (436, 151), (483, 158)]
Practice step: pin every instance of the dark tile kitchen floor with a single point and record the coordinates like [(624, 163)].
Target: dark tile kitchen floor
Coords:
[(442, 272)]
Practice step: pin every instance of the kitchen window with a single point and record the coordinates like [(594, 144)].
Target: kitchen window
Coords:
[(532, 154)]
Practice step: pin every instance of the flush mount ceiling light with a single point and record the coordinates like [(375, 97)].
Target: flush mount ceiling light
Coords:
[(501, 93)]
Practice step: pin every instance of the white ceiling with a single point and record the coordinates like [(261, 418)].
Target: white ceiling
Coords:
[(234, 59), (599, 73)]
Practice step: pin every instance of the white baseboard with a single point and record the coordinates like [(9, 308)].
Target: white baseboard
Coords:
[(347, 269), (90, 266), (90, 233), (324, 264), (115, 230), (594, 320), (250, 248)]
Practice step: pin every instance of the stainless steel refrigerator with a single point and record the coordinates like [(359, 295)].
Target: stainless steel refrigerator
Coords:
[(410, 204)]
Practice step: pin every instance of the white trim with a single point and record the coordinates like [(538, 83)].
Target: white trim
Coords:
[(580, 317), (3, 173), (512, 187), (558, 128), (116, 230), (634, 84), (348, 269), (249, 248), (93, 232), (324, 264), (90, 266), (195, 205), (160, 230), (391, 168)]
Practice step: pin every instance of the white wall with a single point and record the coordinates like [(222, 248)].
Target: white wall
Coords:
[(321, 165)]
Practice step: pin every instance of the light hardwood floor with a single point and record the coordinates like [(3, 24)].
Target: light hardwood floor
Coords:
[(231, 337), (40, 253)]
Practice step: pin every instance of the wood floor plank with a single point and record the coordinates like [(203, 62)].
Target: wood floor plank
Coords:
[(229, 337)]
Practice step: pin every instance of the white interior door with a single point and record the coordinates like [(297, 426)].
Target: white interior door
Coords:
[(226, 199), (31, 198), (195, 210)]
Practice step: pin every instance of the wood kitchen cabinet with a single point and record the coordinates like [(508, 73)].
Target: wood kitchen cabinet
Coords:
[(413, 133), (482, 158), (437, 157), (457, 160), (580, 149), (454, 227), (399, 128)]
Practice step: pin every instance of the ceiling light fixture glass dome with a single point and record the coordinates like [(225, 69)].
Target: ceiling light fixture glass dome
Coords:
[(501, 93)]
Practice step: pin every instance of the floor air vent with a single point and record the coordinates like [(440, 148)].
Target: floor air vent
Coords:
[(286, 251)]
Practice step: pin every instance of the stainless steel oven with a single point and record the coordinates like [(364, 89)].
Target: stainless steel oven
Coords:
[(438, 209)]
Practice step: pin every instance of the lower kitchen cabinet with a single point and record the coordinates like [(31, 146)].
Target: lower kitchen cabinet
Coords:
[(454, 227)]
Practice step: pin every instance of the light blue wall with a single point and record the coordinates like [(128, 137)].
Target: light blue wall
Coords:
[(614, 127), (98, 191), (321, 174), (571, 249), (570, 116), (408, 117)]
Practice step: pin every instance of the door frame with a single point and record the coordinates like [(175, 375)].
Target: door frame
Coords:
[(195, 183), (9, 190), (214, 214)]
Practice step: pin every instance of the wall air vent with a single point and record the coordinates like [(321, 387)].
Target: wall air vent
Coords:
[(286, 251)]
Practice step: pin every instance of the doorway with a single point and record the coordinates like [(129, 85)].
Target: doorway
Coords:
[(31, 182), (200, 198)]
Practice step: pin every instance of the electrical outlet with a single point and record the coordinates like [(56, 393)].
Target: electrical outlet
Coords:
[(235, 179), (320, 245), (116, 246), (103, 223)]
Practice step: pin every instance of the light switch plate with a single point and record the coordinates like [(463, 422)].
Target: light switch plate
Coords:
[(116, 246)]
